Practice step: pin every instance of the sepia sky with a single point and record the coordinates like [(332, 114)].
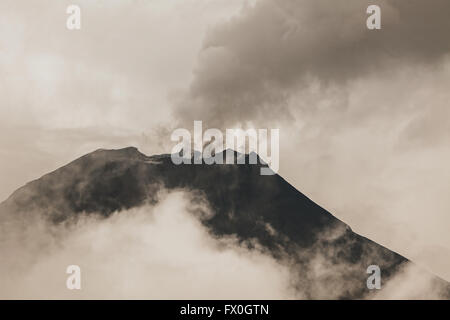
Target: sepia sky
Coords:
[(364, 115)]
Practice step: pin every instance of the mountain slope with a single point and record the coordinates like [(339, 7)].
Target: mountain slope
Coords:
[(256, 209)]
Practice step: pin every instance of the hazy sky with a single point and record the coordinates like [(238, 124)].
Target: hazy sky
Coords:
[(364, 115)]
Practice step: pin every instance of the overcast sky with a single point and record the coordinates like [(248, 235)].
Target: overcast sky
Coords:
[(363, 115)]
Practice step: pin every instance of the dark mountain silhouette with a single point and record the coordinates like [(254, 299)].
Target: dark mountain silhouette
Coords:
[(247, 205)]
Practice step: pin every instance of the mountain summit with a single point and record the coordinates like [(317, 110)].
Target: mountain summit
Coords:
[(262, 211)]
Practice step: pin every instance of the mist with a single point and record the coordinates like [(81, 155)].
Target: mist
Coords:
[(151, 252), (163, 251)]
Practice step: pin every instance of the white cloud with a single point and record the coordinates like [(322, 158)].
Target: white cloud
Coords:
[(161, 252)]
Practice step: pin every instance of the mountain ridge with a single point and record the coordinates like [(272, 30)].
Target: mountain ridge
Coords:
[(245, 204)]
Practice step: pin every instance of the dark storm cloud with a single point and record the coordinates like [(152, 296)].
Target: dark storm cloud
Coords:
[(249, 66)]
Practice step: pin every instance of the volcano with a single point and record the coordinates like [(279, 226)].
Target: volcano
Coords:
[(265, 210)]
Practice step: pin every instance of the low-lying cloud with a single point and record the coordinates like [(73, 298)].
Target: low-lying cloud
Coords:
[(164, 251), (152, 252)]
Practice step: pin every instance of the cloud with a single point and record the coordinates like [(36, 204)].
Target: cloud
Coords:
[(411, 283), (252, 64), (105, 85), (374, 153), (164, 251), (363, 114), (161, 252)]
